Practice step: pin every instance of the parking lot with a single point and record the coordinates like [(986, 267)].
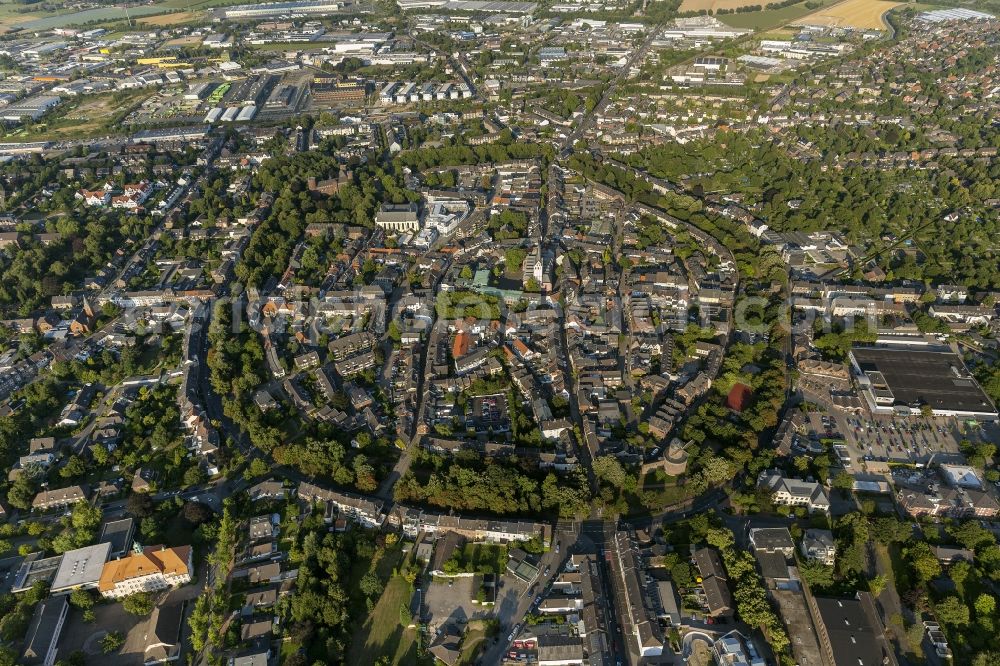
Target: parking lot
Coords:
[(450, 601), (864, 440)]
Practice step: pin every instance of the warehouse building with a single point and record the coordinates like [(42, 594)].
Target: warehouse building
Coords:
[(904, 380)]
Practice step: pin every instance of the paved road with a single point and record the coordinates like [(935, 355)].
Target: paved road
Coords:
[(517, 598), (609, 91)]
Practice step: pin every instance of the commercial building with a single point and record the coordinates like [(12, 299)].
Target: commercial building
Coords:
[(904, 380), (272, 10), (118, 533), (338, 92), (851, 634), (31, 108), (172, 136)]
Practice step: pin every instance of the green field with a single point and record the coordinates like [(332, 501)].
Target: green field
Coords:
[(771, 18), (382, 633), (471, 641)]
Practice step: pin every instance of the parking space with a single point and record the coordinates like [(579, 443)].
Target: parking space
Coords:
[(862, 439), (451, 601)]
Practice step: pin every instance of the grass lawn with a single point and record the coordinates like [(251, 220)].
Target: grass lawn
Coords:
[(382, 634), (81, 117), (771, 18), (473, 639), (288, 648)]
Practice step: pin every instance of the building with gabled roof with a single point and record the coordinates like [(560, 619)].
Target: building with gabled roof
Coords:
[(42, 639), (59, 498), (152, 568), (163, 635), (794, 492)]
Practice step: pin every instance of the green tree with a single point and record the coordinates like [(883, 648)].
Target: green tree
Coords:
[(22, 491), (923, 560), (610, 470), (73, 468), (195, 476), (953, 612), (816, 574), (81, 599), (140, 603), (370, 585), (721, 538), (257, 467), (843, 482), (85, 517), (985, 605)]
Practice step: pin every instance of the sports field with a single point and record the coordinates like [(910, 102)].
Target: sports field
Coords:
[(862, 14)]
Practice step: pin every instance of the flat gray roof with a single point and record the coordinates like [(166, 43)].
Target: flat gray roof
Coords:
[(81, 567), (118, 533), (936, 378)]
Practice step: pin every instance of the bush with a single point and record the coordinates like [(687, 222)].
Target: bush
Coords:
[(112, 642)]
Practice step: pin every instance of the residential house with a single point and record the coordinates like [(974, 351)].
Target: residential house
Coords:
[(794, 492)]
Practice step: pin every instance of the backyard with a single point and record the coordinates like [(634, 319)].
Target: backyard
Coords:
[(383, 633)]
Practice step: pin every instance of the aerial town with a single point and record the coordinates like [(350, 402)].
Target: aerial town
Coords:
[(498, 332)]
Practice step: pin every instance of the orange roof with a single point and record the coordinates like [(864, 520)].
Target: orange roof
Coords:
[(461, 345), (739, 397), (167, 561)]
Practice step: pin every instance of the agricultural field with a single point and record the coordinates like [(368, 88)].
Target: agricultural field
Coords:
[(49, 21), (192, 5), (166, 20), (862, 14), (769, 19), (12, 13), (715, 5)]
